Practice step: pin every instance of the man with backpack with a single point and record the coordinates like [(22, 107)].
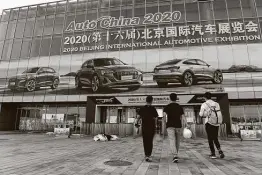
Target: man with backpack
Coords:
[(210, 110)]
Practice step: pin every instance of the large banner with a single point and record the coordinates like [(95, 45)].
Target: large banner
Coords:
[(141, 55), (158, 30)]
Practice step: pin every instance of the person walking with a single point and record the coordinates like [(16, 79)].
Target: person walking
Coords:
[(210, 110), (174, 119), (148, 114)]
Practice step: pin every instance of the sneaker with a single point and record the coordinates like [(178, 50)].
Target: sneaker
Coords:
[(175, 159), (148, 159), (222, 155), (212, 156)]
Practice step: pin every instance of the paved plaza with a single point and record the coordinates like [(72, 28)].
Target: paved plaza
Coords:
[(40, 154)]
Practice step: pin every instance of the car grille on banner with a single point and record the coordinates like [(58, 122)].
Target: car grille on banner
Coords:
[(126, 75)]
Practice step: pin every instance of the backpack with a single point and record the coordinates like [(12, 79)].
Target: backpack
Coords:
[(214, 115)]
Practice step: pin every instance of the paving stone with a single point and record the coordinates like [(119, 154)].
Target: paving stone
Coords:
[(40, 154)]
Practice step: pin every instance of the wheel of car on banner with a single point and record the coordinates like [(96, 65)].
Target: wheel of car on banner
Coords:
[(218, 77), (95, 84), (78, 84), (188, 78), (55, 84), (30, 85)]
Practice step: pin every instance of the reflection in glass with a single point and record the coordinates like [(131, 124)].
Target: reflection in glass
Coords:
[(192, 13), (7, 49), (14, 14), (29, 27), (20, 29), (259, 7), (16, 49), (45, 46), (234, 9), (32, 12), (25, 50), (23, 12), (3, 27), (10, 30), (35, 47), (39, 26), (49, 22)]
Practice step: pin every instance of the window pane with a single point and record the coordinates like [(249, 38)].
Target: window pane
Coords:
[(220, 9), (179, 7), (192, 12), (49, 22), (1, 49), (92, 15), (7, 49), (139, 12), (32, 12), (115, 3), (5, 15), (127, 12), (127, 2), (45, 46), (80, 17), (104, 4), (234, 10), (251, 114), (29, 27), (69, 19), (25, 51), (59, 22), (248, 8), (39, 26), (35, 47), (41, 9), (3, 27), (259, 7), (10, 30), (138, 2), (16, 49), (51, 8), (20, 29), (61, 7), (56, 45), (237, 114), (14, 14), (23, 12), (71, 6), (115, 13), (82, 6)]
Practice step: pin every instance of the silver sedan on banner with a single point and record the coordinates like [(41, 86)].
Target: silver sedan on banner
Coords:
[(187, 72)]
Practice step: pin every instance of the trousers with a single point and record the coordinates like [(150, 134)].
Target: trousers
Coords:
[(174, 135), (212, 136), (148, 137)]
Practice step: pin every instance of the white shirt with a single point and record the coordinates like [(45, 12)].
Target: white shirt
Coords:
[(205, 109)]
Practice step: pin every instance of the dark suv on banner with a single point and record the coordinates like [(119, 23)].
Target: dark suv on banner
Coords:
[(102, 73), (186, 71), (34, 78)]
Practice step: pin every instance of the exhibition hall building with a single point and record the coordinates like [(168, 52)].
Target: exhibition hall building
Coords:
[(85, 62)]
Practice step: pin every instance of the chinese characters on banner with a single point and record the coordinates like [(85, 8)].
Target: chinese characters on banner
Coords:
[(172, 35)]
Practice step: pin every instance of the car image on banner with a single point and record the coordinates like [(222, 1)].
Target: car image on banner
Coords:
[(186, 71), (34, 78), (100, 73)]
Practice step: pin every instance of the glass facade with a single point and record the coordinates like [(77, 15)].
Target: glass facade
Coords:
[(245, 117), (219, 43)]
